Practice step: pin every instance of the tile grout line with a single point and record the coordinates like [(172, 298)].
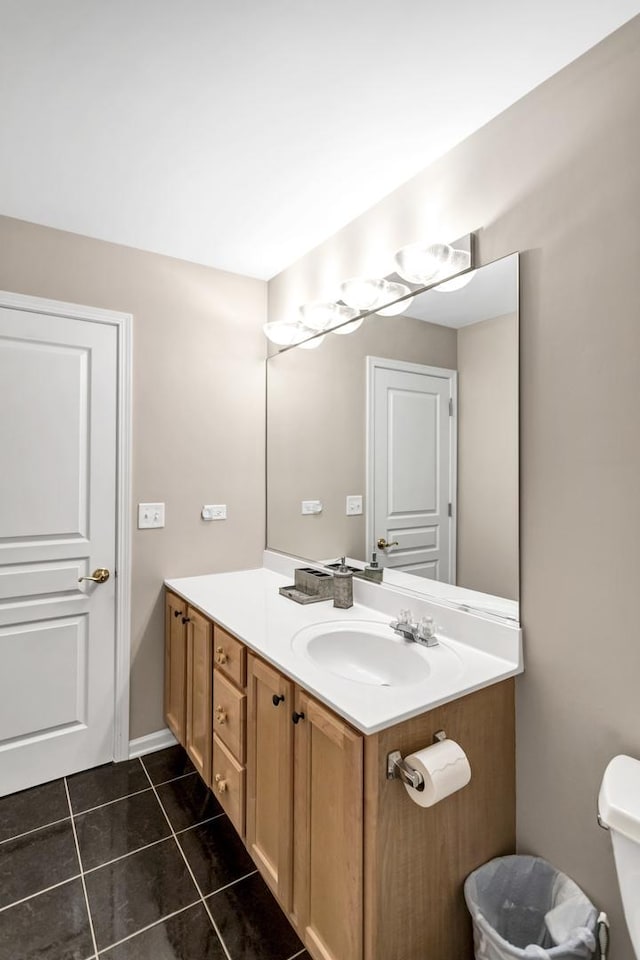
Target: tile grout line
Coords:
[(126, 796), (26, 833), (149, 926), (200, 823), (124, 856), (84, 886), (153, 843), (230, 884), (108, 803), (182, 854), (32, 896)]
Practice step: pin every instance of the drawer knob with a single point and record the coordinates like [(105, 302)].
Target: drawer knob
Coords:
[(297, 717), (186, 620), (277, 699), (220, 783), (221, 656), (221, 716), (176, 613)]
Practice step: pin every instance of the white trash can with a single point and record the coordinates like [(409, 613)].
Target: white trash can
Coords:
[(524, 909)]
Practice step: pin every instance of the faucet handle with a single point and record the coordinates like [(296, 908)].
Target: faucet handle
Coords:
[(426, 628), (405, 616)]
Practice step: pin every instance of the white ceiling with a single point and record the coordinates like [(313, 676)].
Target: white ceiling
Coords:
[(241, 134)]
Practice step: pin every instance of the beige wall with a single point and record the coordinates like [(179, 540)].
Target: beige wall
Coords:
[(316, 430), (557, 176), (198, 412), (487, 556)]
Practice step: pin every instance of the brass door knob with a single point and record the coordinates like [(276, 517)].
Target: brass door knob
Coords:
[(221, 716), (383, 545), (100, 575), (221, 656)]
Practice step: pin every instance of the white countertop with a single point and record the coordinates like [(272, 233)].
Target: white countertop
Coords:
[(248, 605)]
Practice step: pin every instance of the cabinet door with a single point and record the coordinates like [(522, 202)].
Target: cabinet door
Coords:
[(328, 840), (269, 776), (199, 692), (175, 667)]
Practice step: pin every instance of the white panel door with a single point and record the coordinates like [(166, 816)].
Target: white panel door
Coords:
[(58, 396), (411, 503)]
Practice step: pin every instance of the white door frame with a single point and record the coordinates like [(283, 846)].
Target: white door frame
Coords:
[(123, 322), (382, 363)]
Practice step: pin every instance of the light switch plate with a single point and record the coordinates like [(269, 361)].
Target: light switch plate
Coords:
[(214, 511), (311, 507), (150, 515), (354, 506)]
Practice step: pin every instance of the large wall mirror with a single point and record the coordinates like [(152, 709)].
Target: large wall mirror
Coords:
[(417, 414)]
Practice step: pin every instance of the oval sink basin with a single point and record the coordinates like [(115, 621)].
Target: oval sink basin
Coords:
[(366, 652)]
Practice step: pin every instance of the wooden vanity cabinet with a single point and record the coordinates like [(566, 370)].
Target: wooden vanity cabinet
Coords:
[(175, 666), (228, 777), (199, 727), (270, 776), (362, 872), (328, 833)]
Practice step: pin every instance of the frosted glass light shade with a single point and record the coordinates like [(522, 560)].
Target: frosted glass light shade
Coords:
[(395, 290), (312, 344), (460, 260), (420, 263), (365, 293), (349, 327), (321, 315), (286, 333)]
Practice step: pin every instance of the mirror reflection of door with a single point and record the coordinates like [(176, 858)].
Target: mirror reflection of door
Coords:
[(411, 466)]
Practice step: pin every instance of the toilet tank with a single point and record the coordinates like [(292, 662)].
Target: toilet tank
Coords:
[(619, 808)]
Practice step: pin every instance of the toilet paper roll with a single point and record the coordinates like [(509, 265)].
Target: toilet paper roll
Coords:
[(445, 769)]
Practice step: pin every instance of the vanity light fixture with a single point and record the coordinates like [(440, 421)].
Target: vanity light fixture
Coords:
[(286, 333), (365, 293), (349, 327), (320, 315), (312, 343), (460, 260), (420, 264), (396, 290)]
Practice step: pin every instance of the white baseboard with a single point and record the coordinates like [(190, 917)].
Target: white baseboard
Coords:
[(151, 742)]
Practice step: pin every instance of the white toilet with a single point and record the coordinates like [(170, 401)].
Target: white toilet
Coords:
[(619, 808)]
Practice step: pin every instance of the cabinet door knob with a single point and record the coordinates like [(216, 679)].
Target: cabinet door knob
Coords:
[(277, 699), (221, 716), (186, 620), (221, 656), (297, 717), (220, 783), (176, 613)]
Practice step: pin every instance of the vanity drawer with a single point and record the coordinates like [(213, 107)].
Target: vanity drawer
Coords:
[(230, 656), (228, 783), (229, 715)]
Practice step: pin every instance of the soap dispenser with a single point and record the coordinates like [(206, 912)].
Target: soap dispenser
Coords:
[(373, 571), (343, 586)]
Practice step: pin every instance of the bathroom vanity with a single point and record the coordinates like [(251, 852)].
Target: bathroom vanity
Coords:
[(297, 756)]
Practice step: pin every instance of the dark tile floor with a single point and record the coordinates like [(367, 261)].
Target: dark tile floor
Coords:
[(132, 861)]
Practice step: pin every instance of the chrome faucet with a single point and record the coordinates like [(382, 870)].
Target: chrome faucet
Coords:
[(423, 631)]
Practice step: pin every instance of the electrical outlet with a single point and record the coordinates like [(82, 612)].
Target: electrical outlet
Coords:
[(311, 507), (150, 515), (354, 506), (214, 511)]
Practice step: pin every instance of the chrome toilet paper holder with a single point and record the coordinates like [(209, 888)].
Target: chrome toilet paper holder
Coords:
[(399, 769)]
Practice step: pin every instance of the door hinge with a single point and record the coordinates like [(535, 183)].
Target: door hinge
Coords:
[(450, 511), (450, 406)]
